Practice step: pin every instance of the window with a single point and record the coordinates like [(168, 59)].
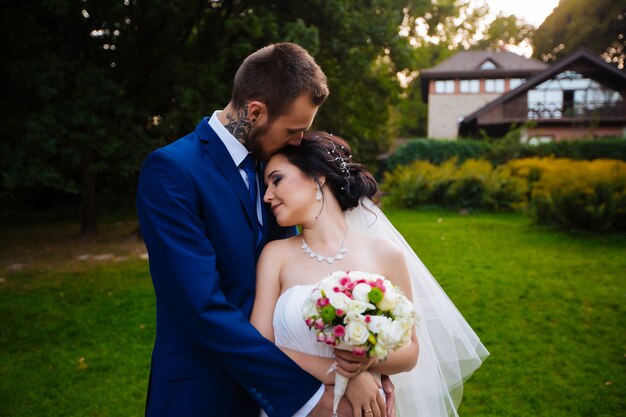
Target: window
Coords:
[(469, 86), (516, 82), (488, 65), (494, 86), (444, 86), (537, 140)]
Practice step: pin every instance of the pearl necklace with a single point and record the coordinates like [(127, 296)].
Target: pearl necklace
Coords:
[(322, 258)]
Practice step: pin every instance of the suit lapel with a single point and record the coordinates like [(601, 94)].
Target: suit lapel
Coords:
[(224, 161)]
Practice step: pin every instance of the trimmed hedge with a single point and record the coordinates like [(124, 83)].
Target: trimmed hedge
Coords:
[(436, 151), (601, 148), (500, 151)]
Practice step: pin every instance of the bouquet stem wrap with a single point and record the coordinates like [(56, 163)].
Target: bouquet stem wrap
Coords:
[(341, 383)]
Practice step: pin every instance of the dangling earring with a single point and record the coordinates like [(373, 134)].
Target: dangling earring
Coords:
[(318, 195)]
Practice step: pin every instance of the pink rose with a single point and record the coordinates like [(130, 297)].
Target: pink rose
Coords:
[(339, 330), (309, 321), (358, 351), (321, 337), (330, 340), (322, 302), (368, 319), (319, 323), (344, 281), (339, 312)]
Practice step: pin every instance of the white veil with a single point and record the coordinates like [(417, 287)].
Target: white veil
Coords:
[(449, 350)]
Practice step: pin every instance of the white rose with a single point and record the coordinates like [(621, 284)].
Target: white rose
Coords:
[(391, 336), (403, 309), (339, 300), (358, 307), (379, 351), (377, 323), (361, 292), (309, 309), (328, 285), (389, 301), (314, 296), (356, 333)]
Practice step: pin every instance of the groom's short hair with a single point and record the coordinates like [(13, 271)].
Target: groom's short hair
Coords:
[(276, 75)]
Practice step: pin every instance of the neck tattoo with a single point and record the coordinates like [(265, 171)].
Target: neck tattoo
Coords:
[(239, 126), (322, 258)]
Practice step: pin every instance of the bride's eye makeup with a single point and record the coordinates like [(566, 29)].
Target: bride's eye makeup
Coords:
[(276, 179)]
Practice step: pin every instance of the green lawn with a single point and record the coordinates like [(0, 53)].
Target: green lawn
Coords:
[(550, 307)]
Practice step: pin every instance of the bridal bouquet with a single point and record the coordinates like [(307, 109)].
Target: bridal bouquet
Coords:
[(361, 312)]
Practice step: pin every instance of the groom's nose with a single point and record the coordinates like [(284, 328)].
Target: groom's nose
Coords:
[(297, 140)]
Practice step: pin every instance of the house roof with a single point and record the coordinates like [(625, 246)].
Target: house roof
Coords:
[(467, 64), (590, 65), (471, 61)]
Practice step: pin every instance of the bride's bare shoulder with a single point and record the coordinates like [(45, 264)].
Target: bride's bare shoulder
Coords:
[(279, 247), (381, 249)]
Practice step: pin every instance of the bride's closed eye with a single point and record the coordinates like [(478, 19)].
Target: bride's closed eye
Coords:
[(275, 179)]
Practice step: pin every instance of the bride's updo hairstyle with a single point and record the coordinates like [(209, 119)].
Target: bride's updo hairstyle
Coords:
[(322, 154)]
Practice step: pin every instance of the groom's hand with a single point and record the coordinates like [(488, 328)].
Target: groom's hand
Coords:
[(390, 399)]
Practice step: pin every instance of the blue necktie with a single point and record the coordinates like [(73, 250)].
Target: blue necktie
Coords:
[(249, 167)]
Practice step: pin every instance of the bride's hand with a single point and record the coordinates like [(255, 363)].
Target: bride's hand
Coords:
[(364, 395), (350, 365)]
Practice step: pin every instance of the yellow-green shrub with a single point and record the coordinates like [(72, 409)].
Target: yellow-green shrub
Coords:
[(584, 194), (472, 184), (569, 193)]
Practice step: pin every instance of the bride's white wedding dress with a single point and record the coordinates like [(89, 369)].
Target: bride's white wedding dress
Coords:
[(449, 350)]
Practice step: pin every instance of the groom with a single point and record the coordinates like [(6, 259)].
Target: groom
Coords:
[(204, 227)]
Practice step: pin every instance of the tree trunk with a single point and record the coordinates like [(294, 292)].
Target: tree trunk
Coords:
[(89, 224)]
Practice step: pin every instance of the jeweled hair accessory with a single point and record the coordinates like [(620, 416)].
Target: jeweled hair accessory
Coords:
[(342, 161)]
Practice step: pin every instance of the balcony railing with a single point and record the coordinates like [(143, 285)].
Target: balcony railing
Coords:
[(564, 111)]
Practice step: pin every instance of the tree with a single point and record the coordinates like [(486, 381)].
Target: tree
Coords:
[(94, 85), (70, 120), (505, 31), (599, 25)]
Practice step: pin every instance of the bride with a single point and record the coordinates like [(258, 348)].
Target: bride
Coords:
[(316, 186)]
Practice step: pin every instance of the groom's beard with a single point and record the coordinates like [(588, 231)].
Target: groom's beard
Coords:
[(255, 145)]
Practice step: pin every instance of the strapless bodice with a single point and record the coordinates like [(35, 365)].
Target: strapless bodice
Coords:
[(290, 330)]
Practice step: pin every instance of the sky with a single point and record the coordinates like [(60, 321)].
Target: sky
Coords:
[(533, 11)]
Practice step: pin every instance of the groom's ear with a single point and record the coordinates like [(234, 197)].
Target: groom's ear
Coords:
[(257, 112)]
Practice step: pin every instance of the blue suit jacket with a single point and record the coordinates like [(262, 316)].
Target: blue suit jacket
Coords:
[(197, 221)]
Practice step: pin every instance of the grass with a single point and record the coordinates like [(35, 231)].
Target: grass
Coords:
[(550, 307), (77, 332)]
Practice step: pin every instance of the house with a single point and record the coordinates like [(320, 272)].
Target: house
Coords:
[(579, 96), (466, 82)]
